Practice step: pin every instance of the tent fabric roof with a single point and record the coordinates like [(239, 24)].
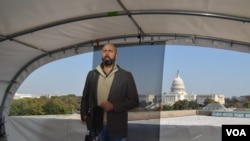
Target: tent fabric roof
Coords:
[(34, 32)]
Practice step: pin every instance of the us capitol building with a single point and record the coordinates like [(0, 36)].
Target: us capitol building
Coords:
[(178, 92)]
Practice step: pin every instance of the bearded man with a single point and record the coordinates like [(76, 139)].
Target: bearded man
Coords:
[(114, 90)]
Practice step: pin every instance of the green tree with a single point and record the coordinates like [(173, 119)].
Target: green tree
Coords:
[(167, 108), (238, 105), (246, 104), (20, 107), (37, 107), (208, 101), (181, 105), (193, 105), (72, 103), (45, 105), (55, 106), (231, 102), (14, 108)]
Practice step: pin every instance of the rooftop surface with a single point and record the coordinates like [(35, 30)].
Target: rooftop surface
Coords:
[(195, 120), (181, 120)]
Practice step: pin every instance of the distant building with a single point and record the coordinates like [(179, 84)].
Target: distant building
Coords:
[(216, 97), (149, 98), (178, 92), (21, 96), (243, 98)]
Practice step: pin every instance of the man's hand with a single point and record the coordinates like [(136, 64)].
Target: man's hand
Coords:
[(107, 106)]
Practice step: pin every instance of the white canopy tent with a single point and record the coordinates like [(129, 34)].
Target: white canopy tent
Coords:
[(36, 32)]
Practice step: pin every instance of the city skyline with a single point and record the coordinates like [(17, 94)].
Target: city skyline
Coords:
[(203, 70)]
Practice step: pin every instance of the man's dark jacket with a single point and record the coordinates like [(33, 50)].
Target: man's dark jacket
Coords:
[(123, 95)]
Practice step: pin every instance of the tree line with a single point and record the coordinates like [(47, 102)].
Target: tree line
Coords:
[(192, 105), (69, 104), (44, 105)]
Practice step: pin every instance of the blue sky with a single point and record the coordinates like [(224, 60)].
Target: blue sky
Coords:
[(145, 63), (203, 70)]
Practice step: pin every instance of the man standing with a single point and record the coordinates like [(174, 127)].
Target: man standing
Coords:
[(113, 89)]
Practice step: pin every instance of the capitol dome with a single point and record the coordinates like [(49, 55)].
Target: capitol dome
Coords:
[(178, 86)]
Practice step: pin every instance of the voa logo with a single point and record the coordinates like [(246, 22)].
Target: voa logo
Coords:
[(236, 132)]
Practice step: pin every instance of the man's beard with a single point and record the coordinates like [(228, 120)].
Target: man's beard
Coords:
[(107, 61)]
